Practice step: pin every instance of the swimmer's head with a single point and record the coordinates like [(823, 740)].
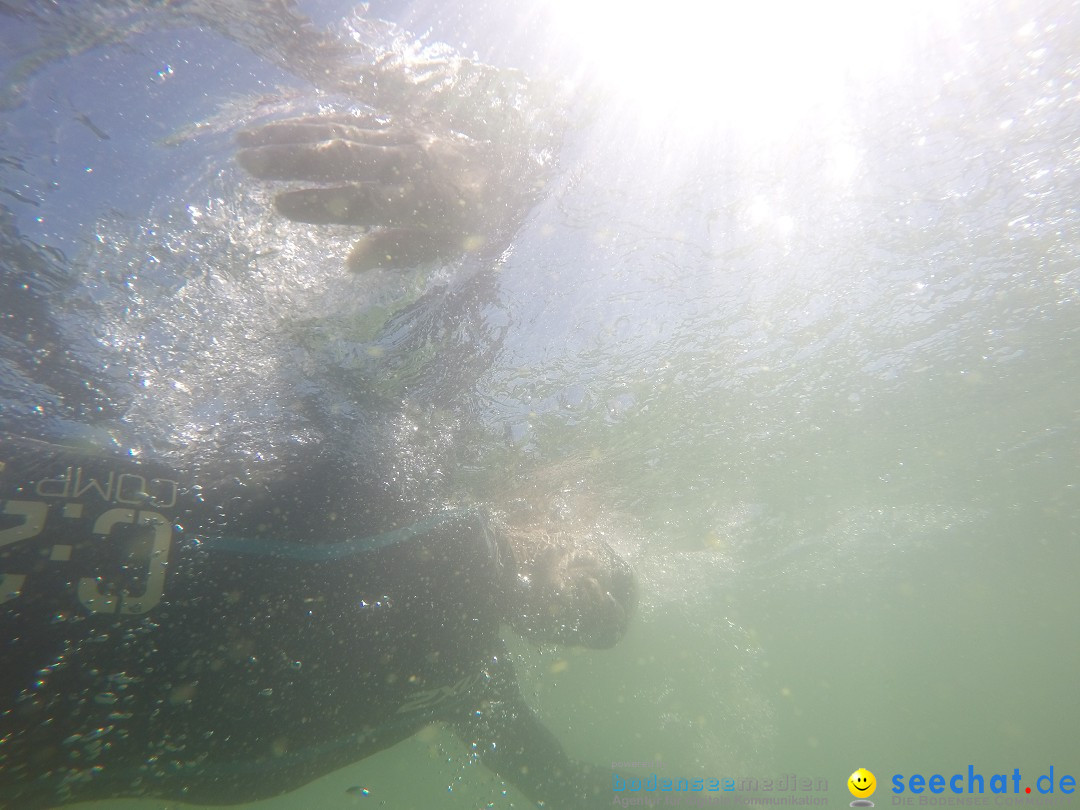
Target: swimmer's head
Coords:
[(565, 583), (571, 592), (597, 595)]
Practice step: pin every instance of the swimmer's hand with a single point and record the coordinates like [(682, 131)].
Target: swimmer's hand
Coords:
[(419, 196)]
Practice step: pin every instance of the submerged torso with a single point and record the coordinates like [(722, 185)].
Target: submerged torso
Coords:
[(160, 644)]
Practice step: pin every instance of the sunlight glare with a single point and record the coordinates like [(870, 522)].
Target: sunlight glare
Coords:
[(760, 63)]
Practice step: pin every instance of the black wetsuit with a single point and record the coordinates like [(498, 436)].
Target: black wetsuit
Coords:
[(160, 642)]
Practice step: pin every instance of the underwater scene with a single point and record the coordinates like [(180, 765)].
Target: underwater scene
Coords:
[(557, 404)]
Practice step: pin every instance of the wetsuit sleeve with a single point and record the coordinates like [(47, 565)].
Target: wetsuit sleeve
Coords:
[(511, 740)]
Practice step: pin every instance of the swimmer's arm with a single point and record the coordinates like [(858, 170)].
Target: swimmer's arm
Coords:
[(415, 193), (511, 740)]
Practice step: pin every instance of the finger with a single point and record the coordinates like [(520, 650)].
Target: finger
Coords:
[(362, 204), (329, 161), (397, 247), (313, 130)]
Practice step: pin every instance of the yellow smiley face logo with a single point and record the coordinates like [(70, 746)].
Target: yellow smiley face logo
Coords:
[(862, 784)]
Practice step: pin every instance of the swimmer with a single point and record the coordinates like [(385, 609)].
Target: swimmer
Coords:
[(222, 637)]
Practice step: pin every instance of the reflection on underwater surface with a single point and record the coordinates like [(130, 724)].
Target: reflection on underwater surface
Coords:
[(819, 384)]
